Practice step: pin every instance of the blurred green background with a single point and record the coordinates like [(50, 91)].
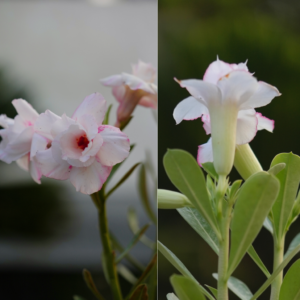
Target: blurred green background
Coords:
[(191, 35)]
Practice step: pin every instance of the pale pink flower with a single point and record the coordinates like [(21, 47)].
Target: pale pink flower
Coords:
[(133, 89), (17, 137), (80, 148), (227, 94)]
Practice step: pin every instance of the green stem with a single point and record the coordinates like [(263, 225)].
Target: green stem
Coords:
[(109, 256), (278, 258), (224, 254)]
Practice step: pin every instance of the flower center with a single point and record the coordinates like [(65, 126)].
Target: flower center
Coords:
[(82, 142)]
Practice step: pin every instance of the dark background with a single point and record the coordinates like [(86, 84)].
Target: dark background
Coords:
[(191, 34)]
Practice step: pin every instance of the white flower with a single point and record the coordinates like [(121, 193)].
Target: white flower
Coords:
[(17, 137), (80, 148), (226, 89), (133, 89), (171, 296)]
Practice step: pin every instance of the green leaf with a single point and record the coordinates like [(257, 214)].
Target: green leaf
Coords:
[(117, 166), (126, 274), (91, 285), (290, 288), (234, 188), (288, 258), (105, 268), (144, 194), (187, 176), (258, 261), (200, 225), (140, 293), (210, 169), (276, 169), (125, 123), (174, 260), (145, 274), (213, 290), (135, 228), (106, 118), (268, 225), (254, 202), (122, 180), (135, 239), (117, 246), (186, 288), (289, 179), (295, 242), (238, 287)]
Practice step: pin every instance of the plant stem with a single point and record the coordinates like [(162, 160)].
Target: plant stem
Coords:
[(224, 254), (278, 258), (109, 256)]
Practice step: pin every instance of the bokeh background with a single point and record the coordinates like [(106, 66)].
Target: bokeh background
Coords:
[(53, 53), (191, 35)]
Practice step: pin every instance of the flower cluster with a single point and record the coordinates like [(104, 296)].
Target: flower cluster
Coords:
[(226, 99), (79, 148)]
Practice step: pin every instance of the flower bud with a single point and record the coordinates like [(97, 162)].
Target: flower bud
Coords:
[(171, 200)]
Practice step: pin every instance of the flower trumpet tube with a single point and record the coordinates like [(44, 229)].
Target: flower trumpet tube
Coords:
[(226, 97), (133, 89), (171, 200)]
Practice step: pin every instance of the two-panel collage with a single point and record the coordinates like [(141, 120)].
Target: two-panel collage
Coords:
[(149, 150)]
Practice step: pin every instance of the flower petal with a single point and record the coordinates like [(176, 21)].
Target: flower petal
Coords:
[(44, 123), (23, 162), (206, 123), (205, 92), (136, 83), (61, 125), (35, 171), (25, 110), (189, 109), (96, 143), (114, 80), (263, 95), (6, 122), (50, 167), (119, 92), (149, 100), (219, 68), (89, 123), (115, 147), (264, 123), (90, 179), (38, 143), (94, 105), (246, 126), (205, 153), (171, 296), (144, 71)]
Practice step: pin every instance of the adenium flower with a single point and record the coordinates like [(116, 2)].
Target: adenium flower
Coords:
[(79, 148), (227, 94), (17, 138), (133, 89)]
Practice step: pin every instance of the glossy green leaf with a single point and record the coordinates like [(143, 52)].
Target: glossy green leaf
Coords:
[(276, 169), (117, 246), (210, 169), (234, 188), (289, 179), (268, 225), (213, 290), (140, 293), (294, 243), (135, 228), (106, 118), (288, 258), (186, 288), (174, 260), (91, 285), (143, 190), (237, 287), (135, 239), (258, 261), (185, 173), (254, 202), (117, 166), (290, 288), (126, 274), (123, 179), (200, 225)]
